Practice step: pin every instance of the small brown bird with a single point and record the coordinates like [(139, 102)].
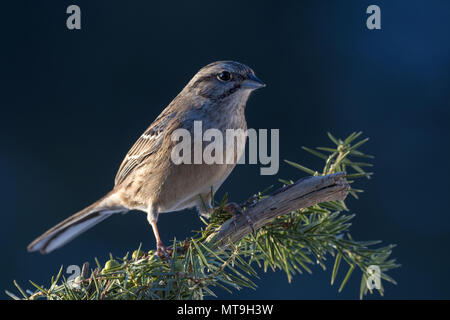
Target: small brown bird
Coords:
[(148, 179)]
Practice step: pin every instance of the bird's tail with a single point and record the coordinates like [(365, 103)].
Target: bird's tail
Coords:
[(76, 224)]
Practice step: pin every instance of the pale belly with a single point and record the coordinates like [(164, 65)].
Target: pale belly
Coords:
[(187, 183)]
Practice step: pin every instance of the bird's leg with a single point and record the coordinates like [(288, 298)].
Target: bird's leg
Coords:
[(234, 208), (204, 206), (161, 249), (206, 209)]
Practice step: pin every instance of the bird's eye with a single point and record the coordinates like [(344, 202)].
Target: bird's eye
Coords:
[(224, 76)]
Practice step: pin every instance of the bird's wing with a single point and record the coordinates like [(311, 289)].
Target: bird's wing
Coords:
[(147, 144)]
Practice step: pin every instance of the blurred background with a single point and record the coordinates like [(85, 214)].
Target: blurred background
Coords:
[(73, 102)]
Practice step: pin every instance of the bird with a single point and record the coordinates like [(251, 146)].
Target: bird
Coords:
[(148, 179)]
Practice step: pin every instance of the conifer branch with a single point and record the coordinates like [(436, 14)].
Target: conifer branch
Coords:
[(304, 193)]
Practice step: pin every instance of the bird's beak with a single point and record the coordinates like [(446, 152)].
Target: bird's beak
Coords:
[(252, 83)]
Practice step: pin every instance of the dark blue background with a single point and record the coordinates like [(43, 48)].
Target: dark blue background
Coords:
[(73, 102)]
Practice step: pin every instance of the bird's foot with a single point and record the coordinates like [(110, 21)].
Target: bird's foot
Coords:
[(162, 251), (234, 208), (206, 213), (205, 210)]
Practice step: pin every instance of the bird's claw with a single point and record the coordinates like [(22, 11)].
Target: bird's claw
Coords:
[(162, 251), (234, 208)]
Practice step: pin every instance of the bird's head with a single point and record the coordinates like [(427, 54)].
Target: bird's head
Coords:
[(225, 80)]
